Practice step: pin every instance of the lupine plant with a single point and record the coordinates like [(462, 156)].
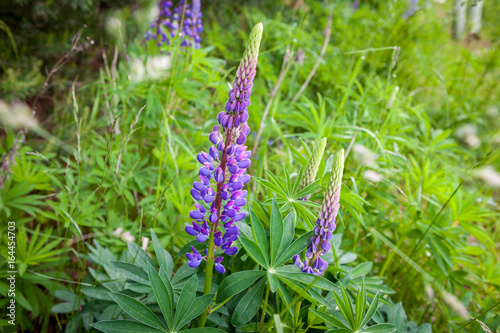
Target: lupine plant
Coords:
[(323, 232), (224, 168)]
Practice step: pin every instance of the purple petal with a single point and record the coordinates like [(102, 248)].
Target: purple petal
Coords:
[(196, 195), (244, 164), (199, 186), (220, 269), (239, 217), (194, 263), (190, 230), (240, 202), (194, 214), (201, 238), (237, 185), (230, 251)]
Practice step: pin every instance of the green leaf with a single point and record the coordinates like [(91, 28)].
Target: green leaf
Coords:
[(254, 251), (292, 272), (65, 307), (249, 304), (162, 255), (133, 272), (184, 272), (345, 308), (259, 235), (360, 305), (300, 244), (361, 270), (97, 293), (140, 256), (137, 310), (287, 238), (236, 283), (276, 231), (311, 294), (273, 281), (204, 330), (123, 326), (371, 310), (164, 295), (329, 319), (199, 305), (186, 299), (380, 328)]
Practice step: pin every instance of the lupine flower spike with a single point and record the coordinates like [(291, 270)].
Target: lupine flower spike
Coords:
[(222, 175), (183, 20), (323, 232), (312, 166)]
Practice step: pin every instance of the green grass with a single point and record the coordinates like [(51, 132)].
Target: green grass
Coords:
[(429, 225)]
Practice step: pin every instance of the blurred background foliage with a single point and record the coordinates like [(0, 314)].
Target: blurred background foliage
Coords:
[(117, 125)]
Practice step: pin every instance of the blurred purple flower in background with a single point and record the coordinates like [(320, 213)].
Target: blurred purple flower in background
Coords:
[(183, 21)]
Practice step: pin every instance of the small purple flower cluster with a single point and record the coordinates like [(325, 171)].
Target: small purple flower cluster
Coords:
[(183, 20), (325, 224), (224, 166)]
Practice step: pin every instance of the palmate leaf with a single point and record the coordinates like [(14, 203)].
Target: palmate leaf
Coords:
[(140, 256), (249, 305), (276, 231), (345, 306), (133, 272), (138, 311), (380, 328), (361, 270), (296, 247), (186, 299), (123, 326), (204, 330), (360, 305), (236, 283), (371, 310), (273, 282), (254, 251), (311, 294), (293, 273), (330, 319), (197, 308), (269, 185), (259, 235), (287, 237), (162, 255), (164, 295), (182, 273)]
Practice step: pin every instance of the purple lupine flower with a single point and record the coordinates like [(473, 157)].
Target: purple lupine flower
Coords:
[(222, 174), (195, 258), (325, 224), (184, 21)]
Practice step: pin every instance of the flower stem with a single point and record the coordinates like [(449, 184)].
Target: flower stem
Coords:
[(266, 300), (209, 269)]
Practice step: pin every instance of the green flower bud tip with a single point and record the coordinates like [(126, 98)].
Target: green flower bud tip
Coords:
[(332, 197), (252, 49), (312, 166)]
